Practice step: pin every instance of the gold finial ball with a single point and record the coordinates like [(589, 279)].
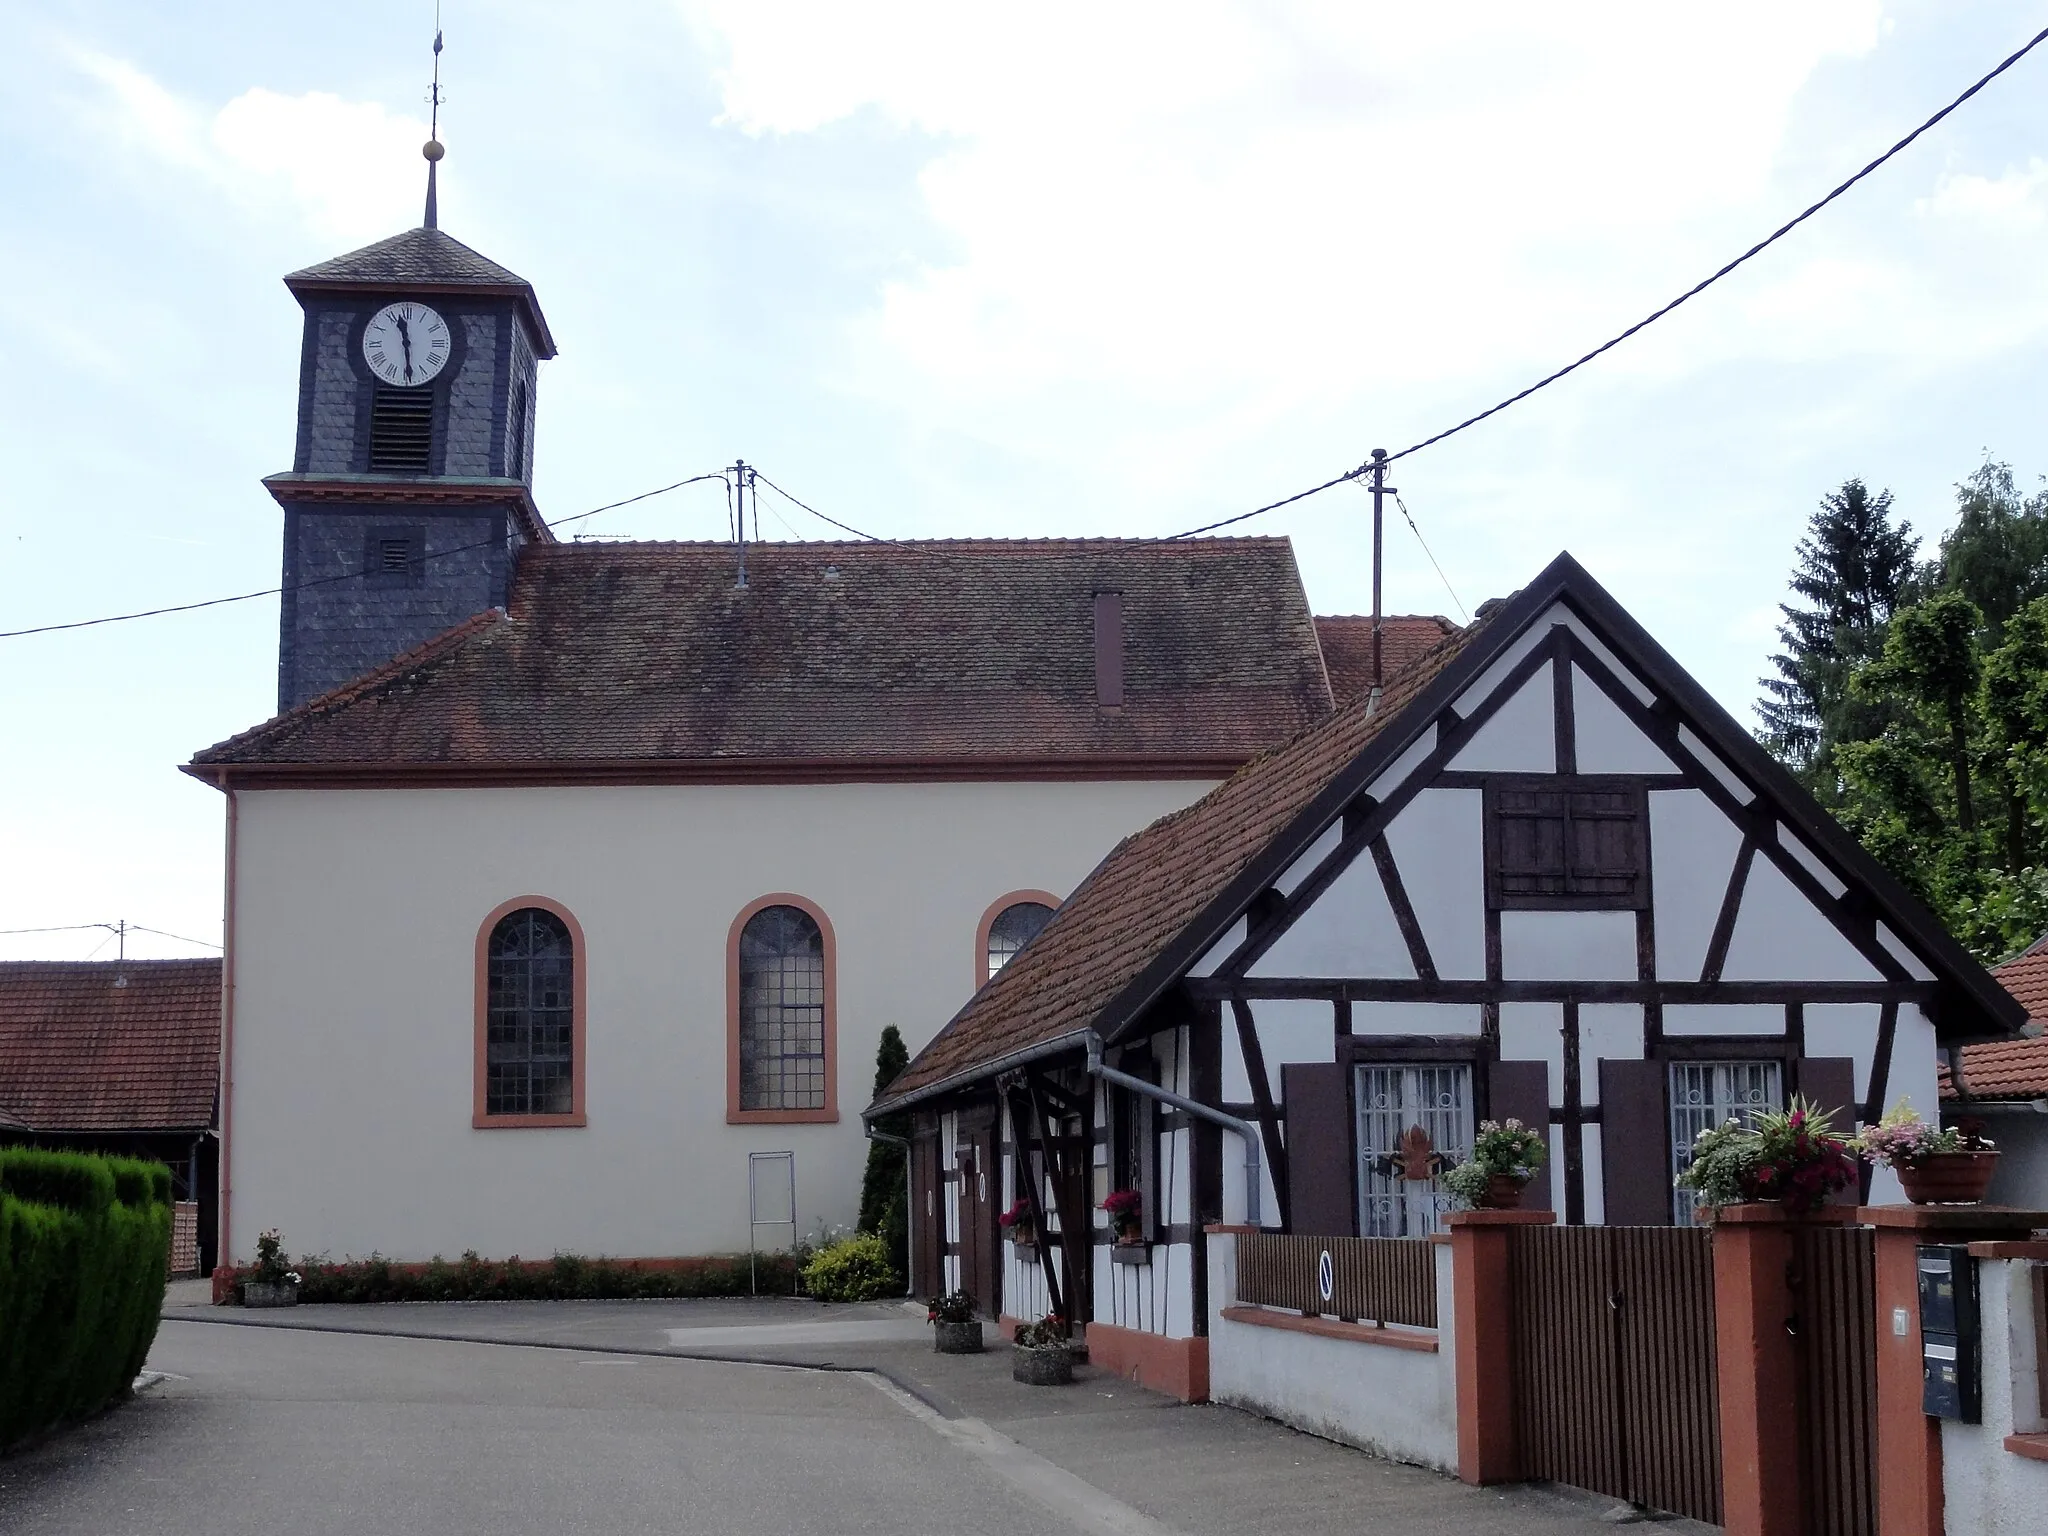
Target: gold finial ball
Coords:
[(432, 149)]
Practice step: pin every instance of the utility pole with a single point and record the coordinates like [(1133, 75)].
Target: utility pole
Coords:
[(121, 940), (742, 478), (1380, 491)]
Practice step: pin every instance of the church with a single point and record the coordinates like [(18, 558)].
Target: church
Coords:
[(572, 881)]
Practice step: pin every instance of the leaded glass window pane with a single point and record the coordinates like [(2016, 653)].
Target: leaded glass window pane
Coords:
[(1705, 1094), (1436, 1096), (782, 1011), (1014, 927), (530, 1016)]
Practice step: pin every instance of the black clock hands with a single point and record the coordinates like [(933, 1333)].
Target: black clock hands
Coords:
[(405, 341)]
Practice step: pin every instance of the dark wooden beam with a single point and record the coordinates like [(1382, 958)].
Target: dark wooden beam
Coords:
[(1666, 993), (1262, 1097), (1564, 722), (1731, 908), (1029, 1132), (1404, 911), (1074, 1226)]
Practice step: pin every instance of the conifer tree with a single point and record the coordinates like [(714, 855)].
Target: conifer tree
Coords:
[(1855, 567), (882, 1200)]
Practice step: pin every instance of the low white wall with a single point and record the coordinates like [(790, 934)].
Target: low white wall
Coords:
[(1987, 1489), (1397, 1403)]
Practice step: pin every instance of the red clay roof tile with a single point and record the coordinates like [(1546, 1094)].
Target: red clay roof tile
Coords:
[(1347, 647), (109, 1045)]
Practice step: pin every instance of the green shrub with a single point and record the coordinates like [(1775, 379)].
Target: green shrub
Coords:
[(854, 1268), (566, 1277), (84, 1245)]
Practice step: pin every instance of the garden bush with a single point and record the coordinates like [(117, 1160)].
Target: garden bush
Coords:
[(84, 1246), (565, 1277), (854, 1268)]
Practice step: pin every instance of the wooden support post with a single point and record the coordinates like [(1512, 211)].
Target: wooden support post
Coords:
[(1485, 1342), (1757, 1332)]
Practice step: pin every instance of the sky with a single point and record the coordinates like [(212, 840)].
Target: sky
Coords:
[(949, 270)]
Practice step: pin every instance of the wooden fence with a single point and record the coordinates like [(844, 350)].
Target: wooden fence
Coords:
[(1836, 1273), (1615, 1385), (1373, 1279)]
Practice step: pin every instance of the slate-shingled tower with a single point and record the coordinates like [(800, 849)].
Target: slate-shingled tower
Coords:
[(410, 491)]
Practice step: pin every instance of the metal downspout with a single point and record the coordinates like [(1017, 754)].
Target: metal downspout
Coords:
[(1245, 1130)]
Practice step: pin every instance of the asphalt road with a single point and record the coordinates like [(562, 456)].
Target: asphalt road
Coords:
[(288, 1433)]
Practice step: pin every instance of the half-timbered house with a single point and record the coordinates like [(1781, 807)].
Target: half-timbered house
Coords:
[(1542, 875)]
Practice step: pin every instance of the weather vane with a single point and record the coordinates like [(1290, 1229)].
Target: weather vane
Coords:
[(432, 149)]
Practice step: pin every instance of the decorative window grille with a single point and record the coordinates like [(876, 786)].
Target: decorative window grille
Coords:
[(1014, 927), (1393, 1099), (530, 1022), (782, 1011), (1705, 1094), (1577, 846), (401, 430)]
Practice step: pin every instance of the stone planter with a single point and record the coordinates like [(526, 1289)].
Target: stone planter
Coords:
[(1948, 1178), (1049, 1366), (957, 1338), (256, 1293), (1504, 1192)]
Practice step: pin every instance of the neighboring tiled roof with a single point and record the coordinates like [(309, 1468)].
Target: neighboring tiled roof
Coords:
[(1150, 887), (1347, 646), (425, 260), (949, 651), (2012, 1069), (109, 1045)]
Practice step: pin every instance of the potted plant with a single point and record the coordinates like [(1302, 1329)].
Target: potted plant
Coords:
[(1786, 1156), (1505, 1156), (1126, 1209), (1020, 1221), (1936, 1165), (272, 1283), (1041, 1358), (955, 1328)]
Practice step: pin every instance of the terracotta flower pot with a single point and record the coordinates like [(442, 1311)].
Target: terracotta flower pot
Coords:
[(1948, 1178), (1504, 1192), (957, 1338)]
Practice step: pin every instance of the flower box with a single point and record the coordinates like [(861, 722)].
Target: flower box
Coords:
[(1027, 1250), (957, 1338), (1947, 1178), (1131, 1253), (259, 1293), (1048, 1365)]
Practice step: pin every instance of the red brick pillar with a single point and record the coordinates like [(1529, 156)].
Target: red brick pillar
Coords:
[(1909, 1492), (1484, 1338), (1763, 1460)]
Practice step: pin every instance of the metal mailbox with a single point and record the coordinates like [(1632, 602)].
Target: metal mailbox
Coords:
[(1951, 1386)]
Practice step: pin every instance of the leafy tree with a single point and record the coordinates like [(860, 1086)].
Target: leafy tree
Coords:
[(1854, 564), (1997, 553), (882, 1207)]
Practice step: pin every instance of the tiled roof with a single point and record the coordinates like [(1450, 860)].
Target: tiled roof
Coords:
[(425, 260), (109, 1045), (1347, 646), (1150, 887), (2012, 1069), (950, 651)]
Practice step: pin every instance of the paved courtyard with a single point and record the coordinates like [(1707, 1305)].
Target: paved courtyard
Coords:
[(567, 1417)]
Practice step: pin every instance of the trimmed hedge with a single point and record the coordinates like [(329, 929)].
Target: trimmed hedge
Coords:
[(85, 1243), (566, 1277)]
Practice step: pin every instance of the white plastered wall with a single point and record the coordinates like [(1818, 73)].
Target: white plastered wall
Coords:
[(356, 918), (1156, 1296)]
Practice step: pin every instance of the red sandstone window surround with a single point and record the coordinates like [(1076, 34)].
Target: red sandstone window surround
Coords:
[(530, 992), (781, 982)]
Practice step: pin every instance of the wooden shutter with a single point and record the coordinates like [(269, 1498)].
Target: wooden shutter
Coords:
[(1520, 1090), (1829, 1084), (927, 1216), (1320, 1176), (1635, 1143)]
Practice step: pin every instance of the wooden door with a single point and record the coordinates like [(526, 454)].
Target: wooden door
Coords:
[(928, 1217), (976, 1161), (1077, 1250)]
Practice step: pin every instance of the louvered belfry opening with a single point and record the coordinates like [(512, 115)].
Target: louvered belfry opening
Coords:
[(401, 430)]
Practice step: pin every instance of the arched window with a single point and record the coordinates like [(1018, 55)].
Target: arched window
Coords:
[(1012, 928), (784, 1031), (530, 1018)]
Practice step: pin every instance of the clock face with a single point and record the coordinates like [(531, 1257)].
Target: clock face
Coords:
[(406, 343)]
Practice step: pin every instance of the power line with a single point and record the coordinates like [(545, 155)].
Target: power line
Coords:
[(1440, 576), (350, 575), (113, 928), (8, 933), (202, 943)]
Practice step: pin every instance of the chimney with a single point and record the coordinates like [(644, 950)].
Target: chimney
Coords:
[(1109, 650)]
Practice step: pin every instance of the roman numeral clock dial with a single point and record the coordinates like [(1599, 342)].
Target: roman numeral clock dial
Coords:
[(405, 344)]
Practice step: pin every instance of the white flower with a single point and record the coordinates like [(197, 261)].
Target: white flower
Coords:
[(291, 1276)]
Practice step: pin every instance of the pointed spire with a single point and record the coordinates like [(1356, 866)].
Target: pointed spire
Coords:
[(432, 148)]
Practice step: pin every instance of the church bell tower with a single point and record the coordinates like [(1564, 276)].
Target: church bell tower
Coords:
[(409, 494)]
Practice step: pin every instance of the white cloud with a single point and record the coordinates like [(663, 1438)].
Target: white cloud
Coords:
[(350, 171), (2018, 199)]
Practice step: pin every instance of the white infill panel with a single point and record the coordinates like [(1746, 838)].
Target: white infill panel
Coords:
[(1591, 1159), (1710, 760), (1221, 950), (1845, 1029), (1415, 1019), (1829, 880), (1568, 946), (1399, 771), (1438, 846), (1349, 930), (1607, 1032), (1535, 1032), (1303, 867), (1607, 741), (1521, 737), (1896, 948), (1914, 1075), (1294, 1029), (1779, 936), (1692, 853), (1724, 1019)]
